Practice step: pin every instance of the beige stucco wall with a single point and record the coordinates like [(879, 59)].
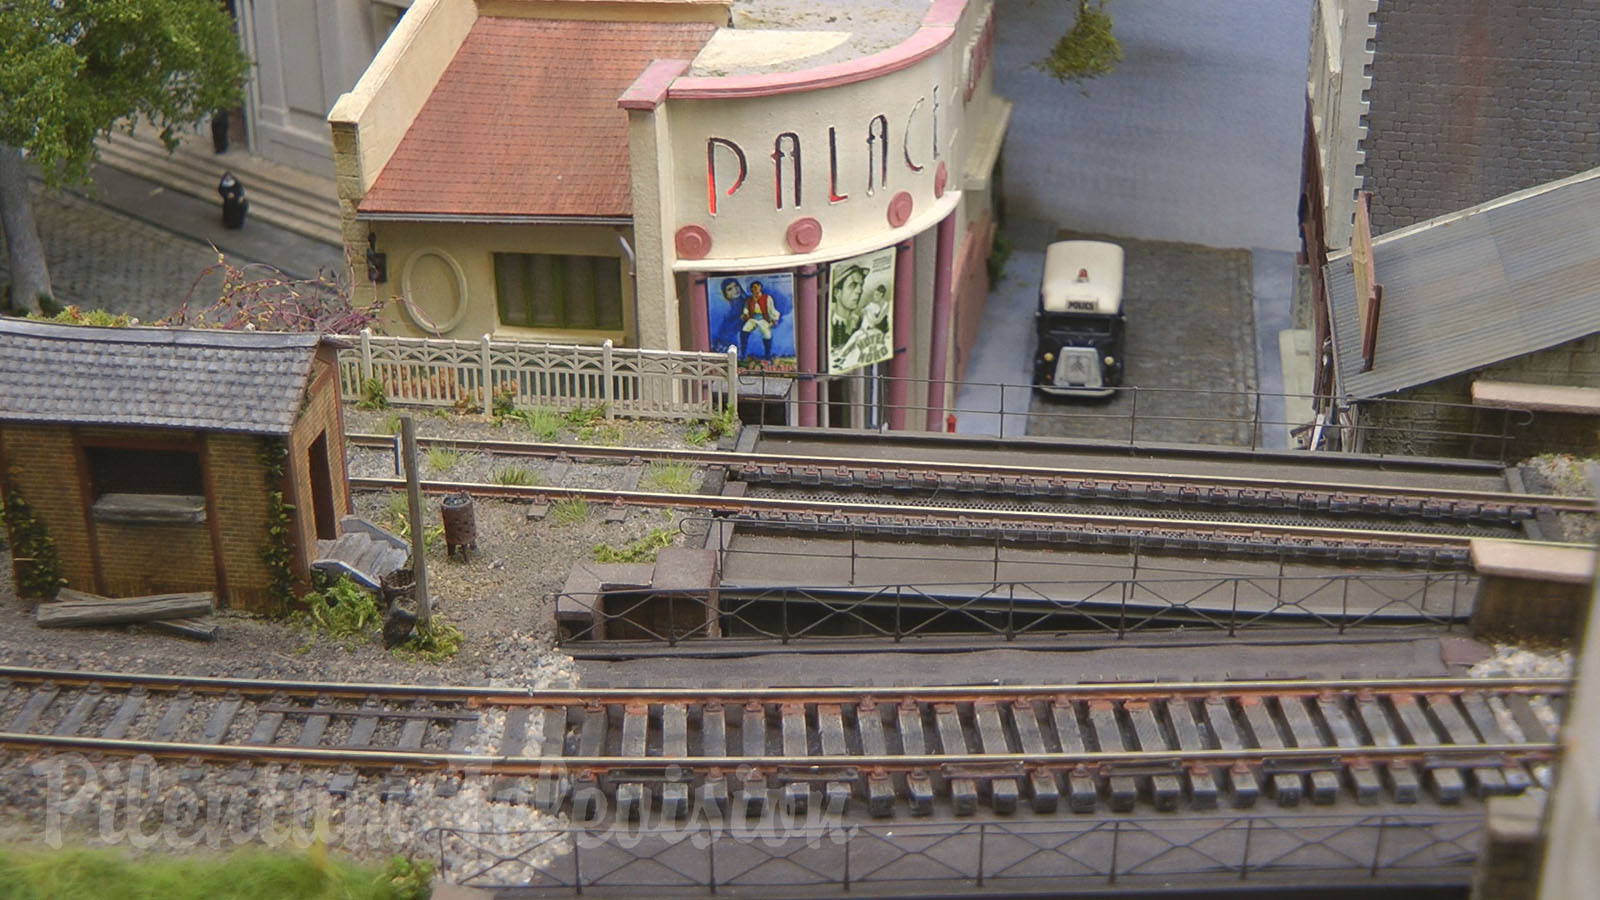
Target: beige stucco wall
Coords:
[(713, 11), (368, 122), (445, 273)]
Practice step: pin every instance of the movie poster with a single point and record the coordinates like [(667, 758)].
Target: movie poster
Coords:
[(755, 314), (860, 309)]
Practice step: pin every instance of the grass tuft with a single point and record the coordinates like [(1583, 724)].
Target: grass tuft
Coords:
[(570, 511), (671, 478), (642, 550)]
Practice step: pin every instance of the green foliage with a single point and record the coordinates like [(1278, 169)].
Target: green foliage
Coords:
[(642, 550), (608, 434), (504, 401), (399, 514), (391, 424), (1089, 50), (32, 548), (442, 459), (73, 315), (672, 478), (409, 879), (570, 512), (697, 435), (513, 476), (999, 254), (374, 397), (435, 642), (71, 71), (344, 611), (586, 416), (278, 550), (544, 424)]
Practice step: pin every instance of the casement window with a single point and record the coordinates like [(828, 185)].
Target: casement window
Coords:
[(541, 290)]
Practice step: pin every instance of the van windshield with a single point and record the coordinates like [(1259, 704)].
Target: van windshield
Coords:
[(1092, 324)]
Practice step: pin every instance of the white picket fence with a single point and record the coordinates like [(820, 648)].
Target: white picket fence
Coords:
[(660, 384)]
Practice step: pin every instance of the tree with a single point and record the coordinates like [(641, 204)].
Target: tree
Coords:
[(72, 70), (1089, 50)]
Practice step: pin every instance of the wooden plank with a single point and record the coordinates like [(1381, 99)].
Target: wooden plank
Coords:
[(674, 745), (265, 731), (913, 742), (173, 715), (1286, 787), (216, 727), (586, 798), (1403, 781), (1482, 717), (550, 792), (1042, 785), (1122, 791), (953, 741), (123, 718), (343, 782), (1363, 778), (714, 742), (1203, 780), (631, 797), (1165, 790), (753, 739), (830, 729), (792, 726), (74, 608), (880, 787), (1487, 779), (1448, 784), (195, 629), (1082, 790), (1324, 785), (87, 700), (1003, 792), (1220, 717)]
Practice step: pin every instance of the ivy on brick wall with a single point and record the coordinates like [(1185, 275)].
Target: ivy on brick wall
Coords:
[(32, 548), (278, 550)]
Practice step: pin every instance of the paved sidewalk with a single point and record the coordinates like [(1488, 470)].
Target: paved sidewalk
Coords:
[(140, 249)]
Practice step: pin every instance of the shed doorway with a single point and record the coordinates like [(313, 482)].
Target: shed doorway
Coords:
[(321, 488)]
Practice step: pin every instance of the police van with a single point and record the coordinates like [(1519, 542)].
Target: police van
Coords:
[(1079, 327)]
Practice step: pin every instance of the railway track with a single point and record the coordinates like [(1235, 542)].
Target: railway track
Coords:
[(626, 753), (1039, 483)]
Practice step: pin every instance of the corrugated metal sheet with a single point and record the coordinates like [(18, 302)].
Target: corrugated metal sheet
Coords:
[(1507, 278)]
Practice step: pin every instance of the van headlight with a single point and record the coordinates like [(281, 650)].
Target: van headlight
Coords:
[(1110, 361), (1048, 357)]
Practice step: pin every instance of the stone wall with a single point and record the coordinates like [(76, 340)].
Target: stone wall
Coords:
[(39, 462), (1466, 106)]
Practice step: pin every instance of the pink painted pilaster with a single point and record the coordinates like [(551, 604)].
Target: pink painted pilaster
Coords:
[(699, 324), (805, 338), (905, 293), (938, 353)]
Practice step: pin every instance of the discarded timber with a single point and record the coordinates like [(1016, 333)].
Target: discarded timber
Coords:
[(75, 608), (196, 629)]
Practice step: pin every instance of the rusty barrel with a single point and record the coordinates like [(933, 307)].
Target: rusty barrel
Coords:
[(460, 524)]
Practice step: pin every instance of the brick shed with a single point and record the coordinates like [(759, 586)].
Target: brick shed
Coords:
[(157, 459)]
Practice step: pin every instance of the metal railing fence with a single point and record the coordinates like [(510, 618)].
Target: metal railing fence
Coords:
[(1008, 611), (998, 857), (628, 382)]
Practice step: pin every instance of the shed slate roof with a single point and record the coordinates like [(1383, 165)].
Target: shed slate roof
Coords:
[(1500, 280), (524, 121), (154, 377)]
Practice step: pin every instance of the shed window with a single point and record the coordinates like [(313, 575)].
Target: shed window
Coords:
[(146, 485), (541, 290)]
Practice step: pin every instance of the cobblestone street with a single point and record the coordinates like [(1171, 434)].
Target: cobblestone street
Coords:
[(1191, 333), (102, 259)]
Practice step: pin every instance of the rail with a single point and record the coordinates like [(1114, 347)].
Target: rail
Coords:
[(1009, 611), (1134, 415), (446, 373), (995, 858)]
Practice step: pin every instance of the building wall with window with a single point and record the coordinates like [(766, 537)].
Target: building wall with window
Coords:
[(138, 510), (560, 213)]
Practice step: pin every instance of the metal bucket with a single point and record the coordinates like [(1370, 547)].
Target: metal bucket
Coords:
[(460, 524)]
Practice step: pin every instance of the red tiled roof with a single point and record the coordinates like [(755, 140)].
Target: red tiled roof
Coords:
[(524, 121)]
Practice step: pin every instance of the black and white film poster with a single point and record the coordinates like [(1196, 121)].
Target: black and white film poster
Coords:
[(860, 305)]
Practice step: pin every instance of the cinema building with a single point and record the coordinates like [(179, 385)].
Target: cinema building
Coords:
[(675, 174)]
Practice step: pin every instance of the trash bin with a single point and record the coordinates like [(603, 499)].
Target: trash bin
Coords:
[(460, 525), (399, 586), (234, 205)]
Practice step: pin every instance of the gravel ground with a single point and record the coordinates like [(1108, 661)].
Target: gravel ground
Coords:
[(501, 599), (1563, 473)]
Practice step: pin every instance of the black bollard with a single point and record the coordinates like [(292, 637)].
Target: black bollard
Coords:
[(234, 205)]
